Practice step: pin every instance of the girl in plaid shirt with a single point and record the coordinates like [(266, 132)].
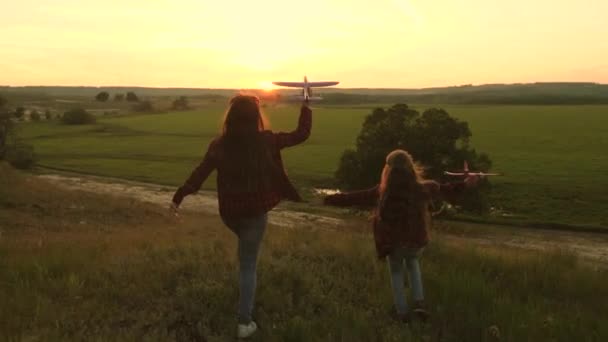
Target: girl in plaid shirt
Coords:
[(251, 181), (401, 222)]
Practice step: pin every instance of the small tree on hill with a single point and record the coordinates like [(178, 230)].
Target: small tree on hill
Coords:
[(48, 115), (78, 116), (180, 103), (19, 112), (6, 127), (132, 97), (102, 96), (143, 107), (35, 116), (119, 97), (436, 140), (18, 154)]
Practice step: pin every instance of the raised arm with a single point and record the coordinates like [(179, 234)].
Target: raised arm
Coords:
[(367, 197), (301, 133), (198, 176)]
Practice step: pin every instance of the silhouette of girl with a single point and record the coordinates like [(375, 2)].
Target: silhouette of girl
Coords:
[(250, 182)]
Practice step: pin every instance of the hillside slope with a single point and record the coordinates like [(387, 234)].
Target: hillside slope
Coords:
[(77, 265)]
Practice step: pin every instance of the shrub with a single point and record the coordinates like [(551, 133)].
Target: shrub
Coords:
[(19, 112), (78, 116), (35, 116), (102, 96), (21, 156), (131, 97), (181, 103), (144, 107), (6, 131)]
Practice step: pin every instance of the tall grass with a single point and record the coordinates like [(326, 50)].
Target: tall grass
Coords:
[(138, 275)]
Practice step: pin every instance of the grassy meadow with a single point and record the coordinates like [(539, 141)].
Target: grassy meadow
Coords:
[(81, 266), (553, 156)]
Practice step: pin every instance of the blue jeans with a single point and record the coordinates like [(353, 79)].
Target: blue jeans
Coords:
[(250, 232), (395, 264)]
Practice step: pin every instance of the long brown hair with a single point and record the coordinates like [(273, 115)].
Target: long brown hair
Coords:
[(401, 187), (248, 158)]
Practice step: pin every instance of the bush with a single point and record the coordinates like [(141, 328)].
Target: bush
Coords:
[(19, 112), (131, 97), (144, 107), (6, 131), (21, 156), (181, 103), (78, 116), (102, 96), (35, 116)]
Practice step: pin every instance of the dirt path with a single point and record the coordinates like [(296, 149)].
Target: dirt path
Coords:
[(158, 194), (590, 246)]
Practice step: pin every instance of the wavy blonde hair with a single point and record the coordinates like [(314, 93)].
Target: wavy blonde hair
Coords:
[(402, 179)]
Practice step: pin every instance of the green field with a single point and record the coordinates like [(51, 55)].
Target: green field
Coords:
[(553, 156)]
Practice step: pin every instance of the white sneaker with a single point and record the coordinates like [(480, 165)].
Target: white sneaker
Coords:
[(246, 330)]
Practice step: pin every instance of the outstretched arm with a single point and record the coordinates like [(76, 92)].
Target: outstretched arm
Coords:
[(367, 197), (197, 178), (301, 133), (451, 191)]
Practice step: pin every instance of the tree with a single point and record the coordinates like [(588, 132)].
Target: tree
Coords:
[(102, 96), (78, 116), (436, 140), (19, 112), (35, 116), (131, 97), (143, 107), (18, 154), (48, 115), (180, 103), (6, 127), (119, 97)]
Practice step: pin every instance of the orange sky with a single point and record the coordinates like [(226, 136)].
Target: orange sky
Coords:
[(242, 44)]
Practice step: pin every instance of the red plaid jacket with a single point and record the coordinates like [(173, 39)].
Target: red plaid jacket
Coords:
[(413, 232), (253, 203)]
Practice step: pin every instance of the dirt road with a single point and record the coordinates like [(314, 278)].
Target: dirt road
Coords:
[(589, 246)]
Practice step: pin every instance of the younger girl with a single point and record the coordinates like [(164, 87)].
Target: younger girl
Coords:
[(401, 222)]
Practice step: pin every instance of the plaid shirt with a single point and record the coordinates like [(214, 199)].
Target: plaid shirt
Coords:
[(252, 203), (412, 232)]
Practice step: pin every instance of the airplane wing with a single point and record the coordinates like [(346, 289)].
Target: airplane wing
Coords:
[(485, 174), (322, 84), (302, 84), (454, 173), (290, 84)]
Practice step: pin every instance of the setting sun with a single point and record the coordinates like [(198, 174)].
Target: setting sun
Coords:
[(266, 86)]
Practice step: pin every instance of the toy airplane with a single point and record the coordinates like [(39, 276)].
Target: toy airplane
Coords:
[(465, 172), (306, 87)]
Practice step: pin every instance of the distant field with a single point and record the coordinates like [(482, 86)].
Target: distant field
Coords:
[(554, 156)]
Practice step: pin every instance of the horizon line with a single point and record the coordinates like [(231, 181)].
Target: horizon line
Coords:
[(345, 88)]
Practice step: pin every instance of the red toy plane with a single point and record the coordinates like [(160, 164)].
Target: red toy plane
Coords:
[(465, 172)]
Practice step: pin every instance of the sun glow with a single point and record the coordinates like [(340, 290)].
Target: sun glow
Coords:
[(266, 86)]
